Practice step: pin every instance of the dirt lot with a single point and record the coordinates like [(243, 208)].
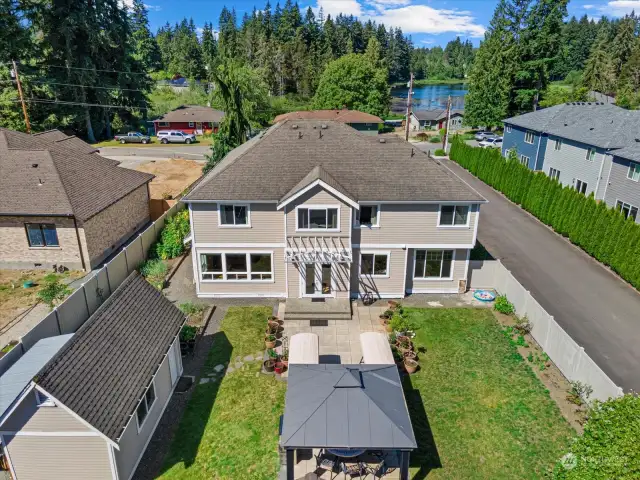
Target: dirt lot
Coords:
[(172, 176)]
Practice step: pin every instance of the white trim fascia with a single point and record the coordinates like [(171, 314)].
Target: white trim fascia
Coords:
[(595, 192), (19, 399), (324, 185), (75, 415), (7, 456), (406, 264), (146, 444), (50, 434), (466, 269), (286, 265), (429, 202), (475, 227), (224, 271), (235, 204), (428, 246), (228, 201), (374, 253), (435, 279), (535, 165), (325, 207), (112, 462), (243, 295), (240, 245), (606, 185), (194, 254)]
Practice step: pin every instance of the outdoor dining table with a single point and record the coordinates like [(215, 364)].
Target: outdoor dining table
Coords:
[(346, 452)]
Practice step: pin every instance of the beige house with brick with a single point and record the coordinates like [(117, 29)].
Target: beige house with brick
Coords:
[(63, 204), (315, 209)]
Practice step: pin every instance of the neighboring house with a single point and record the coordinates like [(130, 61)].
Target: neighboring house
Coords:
[(592, 147), (85, 405), (435, 120), (190, 119), (181, 84), (361, 121), (316, 209), (64, 205)]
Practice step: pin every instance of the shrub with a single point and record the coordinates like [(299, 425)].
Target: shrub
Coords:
[(608, 448), (423, 137), (503, 305), (190, 308), (580, 392), (400, 323), (154, 271), (442, 132), (435, 139), (53, 291), (171, 242), (188, 333), (440, 153)]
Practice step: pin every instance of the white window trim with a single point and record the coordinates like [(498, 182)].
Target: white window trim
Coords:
[(557, 177), (224, 266), (356, 223), (454, 205), (595, 152), (375, 252), (558, 145), (192, 124), (628, 205), (507, 128), (433, 279), (575, 187), (43, 400), (527, 134), (632, 166), (318, 207), (235, 204), (522, 157), (149, 407)]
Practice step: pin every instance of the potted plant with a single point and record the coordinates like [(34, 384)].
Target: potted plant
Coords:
[(188, 336), (274, 318), (386, 316), (392, 304), (269, 365), (410, 365), (279, 368), (270, 340), (284, 358), (410, 354), (273, 324), (404, 345)]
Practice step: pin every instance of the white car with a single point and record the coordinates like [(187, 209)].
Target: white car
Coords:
[(491, 142), (175, 136)]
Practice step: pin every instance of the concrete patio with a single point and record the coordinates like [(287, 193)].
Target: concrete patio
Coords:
[(306, 464)]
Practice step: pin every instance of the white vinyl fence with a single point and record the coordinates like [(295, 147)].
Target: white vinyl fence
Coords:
[(81, 304), (569, 357)]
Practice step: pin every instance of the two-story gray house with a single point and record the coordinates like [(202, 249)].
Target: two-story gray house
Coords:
[(315, 209), (592, 147)]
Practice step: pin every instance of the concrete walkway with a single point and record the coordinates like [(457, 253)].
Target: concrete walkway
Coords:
[(596, 308)]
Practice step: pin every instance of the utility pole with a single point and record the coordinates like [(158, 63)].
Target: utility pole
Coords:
[(408, 121), (446, 127), (24, 107)]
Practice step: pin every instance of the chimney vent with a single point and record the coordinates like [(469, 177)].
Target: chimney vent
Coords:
[(294, 127), (34, 165), (383, 140), (324, 126)]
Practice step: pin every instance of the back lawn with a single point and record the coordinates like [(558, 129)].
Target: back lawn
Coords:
[(478, 411), (230, 427)]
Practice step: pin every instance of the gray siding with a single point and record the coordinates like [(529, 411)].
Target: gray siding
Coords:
[(619, 187), (59, 458), (133, 443), (572, 163)]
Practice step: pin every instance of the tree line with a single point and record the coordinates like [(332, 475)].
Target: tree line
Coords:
[(437, 63), (602, 232)]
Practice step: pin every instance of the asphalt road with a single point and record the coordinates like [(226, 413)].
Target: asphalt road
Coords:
[(595, 307), (191, 152)]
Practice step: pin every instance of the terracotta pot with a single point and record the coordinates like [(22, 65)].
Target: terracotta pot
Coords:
[(269, 365), (279, 367), (410, 365), (392, 304), (275, 319), (269, 343), (271, 330), (273, 325), (384, 320), (410, 355)]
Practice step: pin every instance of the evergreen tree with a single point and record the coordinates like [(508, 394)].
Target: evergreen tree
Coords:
[(599, 71), (209, 48), (146, 49)]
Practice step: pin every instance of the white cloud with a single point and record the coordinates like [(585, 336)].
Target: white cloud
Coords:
[(153, 8), (410, 17), (619, 8), (427, 42), (128, 4), (588, 7)]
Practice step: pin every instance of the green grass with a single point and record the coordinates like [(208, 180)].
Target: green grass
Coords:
[(202, 141), (487, 415), (230, 428)]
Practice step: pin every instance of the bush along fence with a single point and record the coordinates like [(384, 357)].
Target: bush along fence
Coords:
[(569, 357), (600, 231), (76, 309)]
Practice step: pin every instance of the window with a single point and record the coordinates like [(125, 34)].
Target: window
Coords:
[(528, 137), (191, 124), (42, 235), (558, 145), (43, 400), (454, 216), (524, 160), (374, 264), (163, 124), (368, 216), (507, 128), (317, 218), (555, 174), (145, 405), (234, 215), (433, 264), (634, 171), (627, 210), (591, 154), (236, 266), (581, 187)]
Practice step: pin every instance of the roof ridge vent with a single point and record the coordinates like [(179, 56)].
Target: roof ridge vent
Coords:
[(324, 126), (294, 126), (382, 140)]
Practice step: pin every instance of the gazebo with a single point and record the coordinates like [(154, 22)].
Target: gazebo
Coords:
[(346, 408)]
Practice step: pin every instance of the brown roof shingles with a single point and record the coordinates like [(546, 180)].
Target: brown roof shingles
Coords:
[(192, 113), (283, 156), (344, 116)]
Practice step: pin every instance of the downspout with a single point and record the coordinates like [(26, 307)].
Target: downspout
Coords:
[(535, 165), (604, 156), (75, 224)]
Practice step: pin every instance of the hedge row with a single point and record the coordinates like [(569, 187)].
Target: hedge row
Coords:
[(600, 231)]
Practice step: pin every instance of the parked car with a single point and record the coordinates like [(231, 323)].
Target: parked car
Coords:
[(176, 136), (491, 142), (484, 134), (133, 137)]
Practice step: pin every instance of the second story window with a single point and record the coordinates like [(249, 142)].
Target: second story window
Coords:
[(634, 171), (234, 215), (591, 154), (507, 129), (42, 235), (554, 173), (528, 137), (558, 146), (368, 216), (317, 218), (454, 216)]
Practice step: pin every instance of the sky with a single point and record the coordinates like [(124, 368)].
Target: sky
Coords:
[(429, 22)]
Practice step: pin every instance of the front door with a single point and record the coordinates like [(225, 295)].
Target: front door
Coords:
[(199, 128), (317, 280)]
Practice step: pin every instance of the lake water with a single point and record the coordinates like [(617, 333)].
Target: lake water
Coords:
[(429, 97)]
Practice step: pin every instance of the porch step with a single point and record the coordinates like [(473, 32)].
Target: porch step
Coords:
[(329, 309), (317, 316)]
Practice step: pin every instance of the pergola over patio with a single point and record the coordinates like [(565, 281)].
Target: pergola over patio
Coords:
[(356, 407)]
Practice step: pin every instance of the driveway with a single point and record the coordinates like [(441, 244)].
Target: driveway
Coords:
[(595, 307), (190, 152)]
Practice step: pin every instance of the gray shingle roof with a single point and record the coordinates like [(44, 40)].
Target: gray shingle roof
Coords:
[(49, 175), (440, 114), (317, 173), (597, 124), (270, 165), (192, 113), (102, 373), (632, 152), (344, 116), (346, 406)]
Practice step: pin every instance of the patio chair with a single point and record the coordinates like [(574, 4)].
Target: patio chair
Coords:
[(353, 470), (328, 462), (379, 470)]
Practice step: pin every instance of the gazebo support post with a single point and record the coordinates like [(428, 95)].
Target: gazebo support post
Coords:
[(291, 463), (404, 466)]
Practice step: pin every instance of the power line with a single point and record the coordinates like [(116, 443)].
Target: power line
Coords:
[(82, 104), (77, 85), (79, 68)]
